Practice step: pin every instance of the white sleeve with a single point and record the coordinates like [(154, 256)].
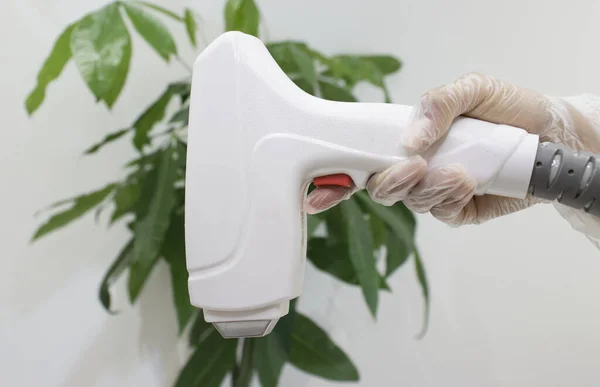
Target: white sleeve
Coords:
[(589, 106)]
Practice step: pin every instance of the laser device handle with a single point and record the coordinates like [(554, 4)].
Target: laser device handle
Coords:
[(256, 141)]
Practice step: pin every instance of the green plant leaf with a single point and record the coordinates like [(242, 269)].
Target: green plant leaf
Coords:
[(305, 64), (360, 250), (385, 63), (331, 254), (179, 277), (333, 92), (383, 284), (280, 51), (336, 228), (296, 59), (138, 275), (312, 222), (191, 26), (406, 215), (129, 197), (244, 371), (356, 69), (397, 217), (150, 231), (200, 330), (160, 9), (315, 353), (401, 224), (269, 359), (304, 85), (114, 136), (154, 114), (397, 253), (378, 231), (147, 160), (117, 268), (173, 249), (320, 57), (182, 155), (126, 197), (332, 258), (243, 16), (153, 31), (209, 363), (420, 271), (285, 326), (181, 116), (101, 49), (113, 92), (181, 89), (272, 351), (51, 69), (81, 205), (148, 176)]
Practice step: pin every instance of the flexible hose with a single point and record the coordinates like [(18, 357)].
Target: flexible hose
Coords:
[(569, 177)]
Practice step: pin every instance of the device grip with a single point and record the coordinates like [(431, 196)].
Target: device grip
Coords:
[(499, 157)]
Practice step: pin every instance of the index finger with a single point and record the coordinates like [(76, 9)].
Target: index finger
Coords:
[(477, 96)]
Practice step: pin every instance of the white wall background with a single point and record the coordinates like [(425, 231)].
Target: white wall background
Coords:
[(515, 302)]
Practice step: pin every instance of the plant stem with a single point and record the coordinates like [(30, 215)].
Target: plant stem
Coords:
[(243, 376)]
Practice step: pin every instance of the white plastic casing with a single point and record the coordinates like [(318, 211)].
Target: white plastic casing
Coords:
[(256, 141)]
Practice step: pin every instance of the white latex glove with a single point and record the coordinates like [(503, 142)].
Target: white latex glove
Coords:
[(448, 192)]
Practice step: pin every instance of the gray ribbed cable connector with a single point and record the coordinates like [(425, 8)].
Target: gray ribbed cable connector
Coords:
[(571, 178)]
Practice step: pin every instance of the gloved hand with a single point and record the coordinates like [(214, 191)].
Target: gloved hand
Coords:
[(448, 192)]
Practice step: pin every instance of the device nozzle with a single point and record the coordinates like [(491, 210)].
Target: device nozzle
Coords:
[(244, 329)]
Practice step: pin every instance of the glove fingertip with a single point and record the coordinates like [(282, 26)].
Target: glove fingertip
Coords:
[(324, 198), (419, 136), (393, 184), (411, 142)]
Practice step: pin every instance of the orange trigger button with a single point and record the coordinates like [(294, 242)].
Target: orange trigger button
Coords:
[(338, 180)]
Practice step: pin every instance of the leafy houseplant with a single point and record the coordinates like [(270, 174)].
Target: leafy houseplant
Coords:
[(151, 197)]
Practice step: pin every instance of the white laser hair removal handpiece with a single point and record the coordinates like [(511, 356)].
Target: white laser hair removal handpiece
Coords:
[(255, 143)]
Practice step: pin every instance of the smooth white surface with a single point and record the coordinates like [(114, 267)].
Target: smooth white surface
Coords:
[(246, 252), (514, 301)]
